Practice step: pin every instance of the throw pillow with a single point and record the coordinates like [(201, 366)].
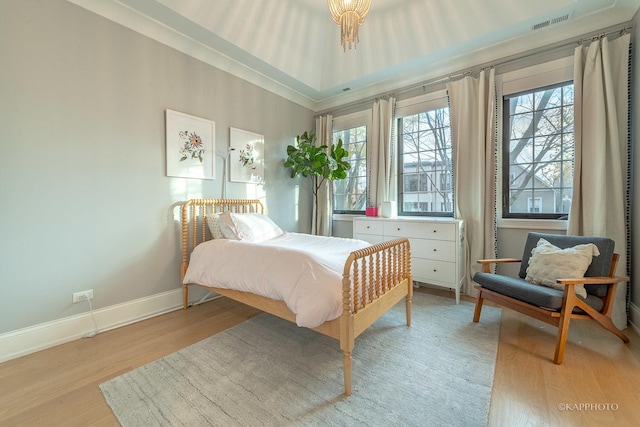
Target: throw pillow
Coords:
[(213, 222), (548, 263)]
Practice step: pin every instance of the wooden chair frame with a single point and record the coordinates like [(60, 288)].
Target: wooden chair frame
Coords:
[(570, 301)]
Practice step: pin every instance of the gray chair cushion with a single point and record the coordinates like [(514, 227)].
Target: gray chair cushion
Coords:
[(600, 265), (538, 295)]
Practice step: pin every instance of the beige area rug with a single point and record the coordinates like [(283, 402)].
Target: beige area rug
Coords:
[(269, 372)]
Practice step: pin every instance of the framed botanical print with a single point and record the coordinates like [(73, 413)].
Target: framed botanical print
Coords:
[(190, 145), (246, 156)]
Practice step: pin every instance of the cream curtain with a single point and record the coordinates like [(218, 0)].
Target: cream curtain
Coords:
[(473, 128), (601, 110), (323, 211), (379, 154)]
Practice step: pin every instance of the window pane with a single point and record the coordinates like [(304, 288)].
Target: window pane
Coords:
[(538, 174), (425, 163), (520, 124), (350, 194)]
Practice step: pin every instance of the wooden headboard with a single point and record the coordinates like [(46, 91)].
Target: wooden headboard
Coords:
[(194, 224)]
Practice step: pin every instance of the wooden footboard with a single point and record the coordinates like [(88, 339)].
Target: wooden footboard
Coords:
[(374, 278)]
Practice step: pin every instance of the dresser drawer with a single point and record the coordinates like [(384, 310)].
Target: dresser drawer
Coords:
[(367, 227), (425, 270), (427, 230), (440, 250)]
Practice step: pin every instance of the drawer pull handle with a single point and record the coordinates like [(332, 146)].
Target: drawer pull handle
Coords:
[(434, 270), (435, 250), (435, 231)]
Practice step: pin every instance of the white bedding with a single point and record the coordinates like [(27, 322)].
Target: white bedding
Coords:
[(303, 270)]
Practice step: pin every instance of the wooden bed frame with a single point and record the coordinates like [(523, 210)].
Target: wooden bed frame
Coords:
[(374, 278)]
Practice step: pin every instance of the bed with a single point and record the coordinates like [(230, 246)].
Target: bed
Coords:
[(371, 280)]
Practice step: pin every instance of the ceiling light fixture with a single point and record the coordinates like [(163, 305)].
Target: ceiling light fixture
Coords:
[(349, 15)]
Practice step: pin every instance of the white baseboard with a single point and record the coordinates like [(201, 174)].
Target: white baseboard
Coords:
[(45, 335), (34, 338), (634, 317)]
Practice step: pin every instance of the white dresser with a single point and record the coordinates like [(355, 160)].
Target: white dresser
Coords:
[(437, 250)]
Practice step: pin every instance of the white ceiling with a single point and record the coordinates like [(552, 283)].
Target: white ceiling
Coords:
[(292, 47)]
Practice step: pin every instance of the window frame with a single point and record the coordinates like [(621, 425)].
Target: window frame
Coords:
[(350, 121), (420, 104)]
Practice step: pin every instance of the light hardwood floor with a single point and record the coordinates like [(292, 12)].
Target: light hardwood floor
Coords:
[(599, 382)]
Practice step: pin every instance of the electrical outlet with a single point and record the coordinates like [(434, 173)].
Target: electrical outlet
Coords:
[(82, 296)]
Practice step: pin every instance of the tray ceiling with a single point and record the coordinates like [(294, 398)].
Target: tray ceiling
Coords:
[(292, 47)]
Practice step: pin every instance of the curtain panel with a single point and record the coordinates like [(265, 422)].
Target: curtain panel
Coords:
[(472, 102), (323, 210), (599, 203)]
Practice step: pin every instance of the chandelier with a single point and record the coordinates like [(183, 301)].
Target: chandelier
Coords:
[(349, 15)]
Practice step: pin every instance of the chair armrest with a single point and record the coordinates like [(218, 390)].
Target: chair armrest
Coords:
[(603, 280), (487, 262)]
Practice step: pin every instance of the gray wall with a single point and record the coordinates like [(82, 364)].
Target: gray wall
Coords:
[(84, 198)]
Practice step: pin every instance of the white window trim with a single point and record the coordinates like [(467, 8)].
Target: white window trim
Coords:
[(533, 224), (525, 79), (348, 121), (422, 103)]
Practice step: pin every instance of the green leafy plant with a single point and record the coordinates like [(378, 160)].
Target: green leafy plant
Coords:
[(320, 163)]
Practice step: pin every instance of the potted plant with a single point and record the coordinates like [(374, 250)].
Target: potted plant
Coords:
[(321, 163)]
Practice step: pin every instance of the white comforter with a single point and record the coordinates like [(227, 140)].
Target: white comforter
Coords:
[(303, 270)]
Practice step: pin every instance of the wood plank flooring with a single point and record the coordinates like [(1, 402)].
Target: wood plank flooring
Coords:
[(598, 384)]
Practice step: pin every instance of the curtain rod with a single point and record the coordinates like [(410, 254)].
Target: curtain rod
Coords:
[(509, 60)]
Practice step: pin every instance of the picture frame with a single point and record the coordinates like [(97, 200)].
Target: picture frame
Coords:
[(246, 156), (190, 146)]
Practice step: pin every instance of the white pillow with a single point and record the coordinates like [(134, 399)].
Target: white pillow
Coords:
[(249, 227), (213, 221), (548, 263)]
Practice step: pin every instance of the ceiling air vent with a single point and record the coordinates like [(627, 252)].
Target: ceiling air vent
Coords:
[(552, 21)]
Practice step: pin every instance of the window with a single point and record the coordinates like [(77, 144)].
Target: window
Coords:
[(425, 159), (350, 194), (539, 140)]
